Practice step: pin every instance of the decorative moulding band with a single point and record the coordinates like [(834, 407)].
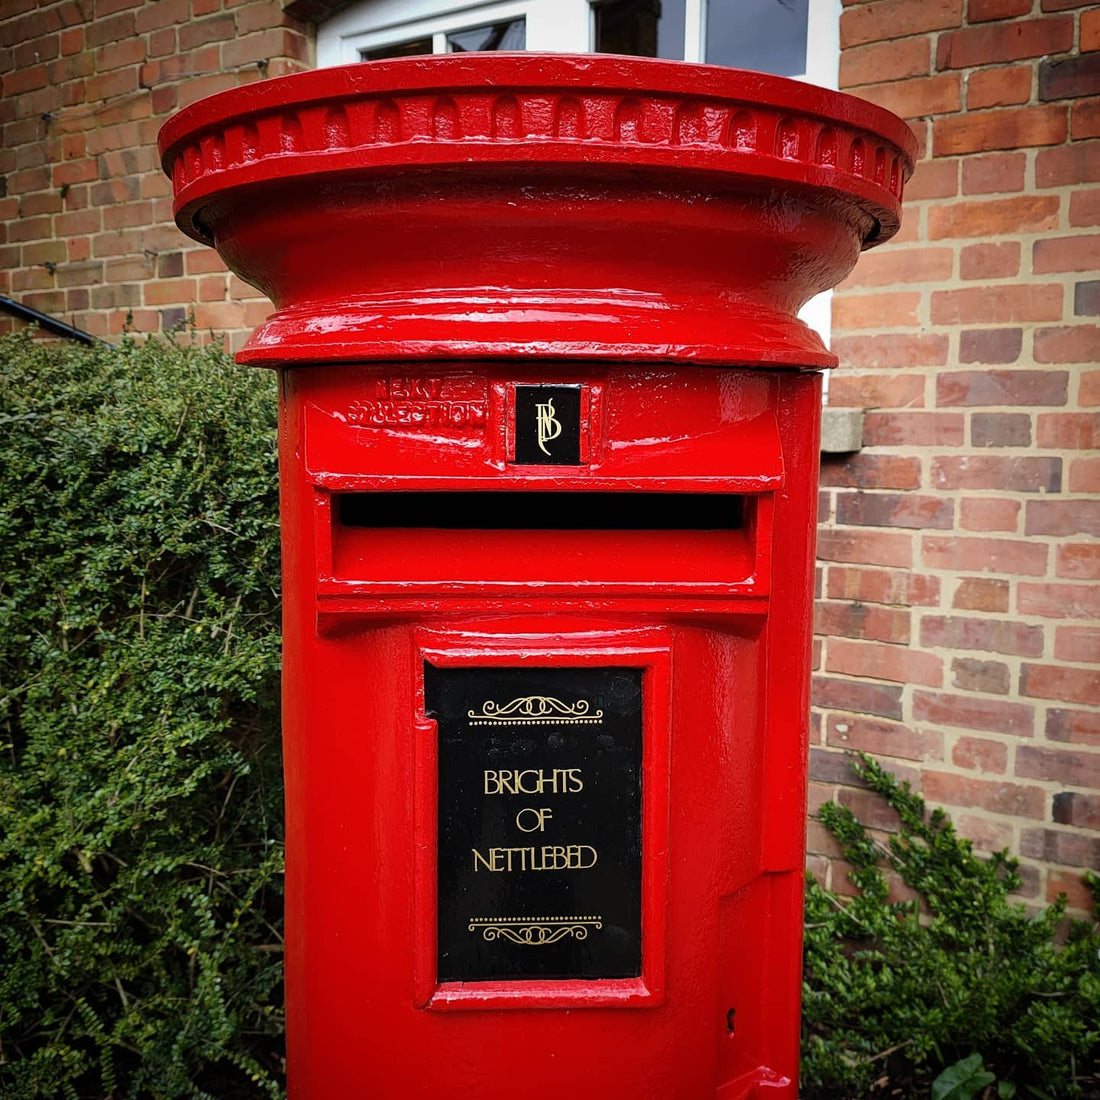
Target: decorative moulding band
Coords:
[(530, 109)]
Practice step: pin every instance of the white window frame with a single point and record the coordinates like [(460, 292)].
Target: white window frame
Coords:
[(552, 26), (558, 26)]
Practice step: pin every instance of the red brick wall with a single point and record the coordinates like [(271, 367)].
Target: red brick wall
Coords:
[(958, 620), (958, 634), (86, 230)]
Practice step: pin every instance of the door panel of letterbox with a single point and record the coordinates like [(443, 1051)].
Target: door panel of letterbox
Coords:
[(356, 951)]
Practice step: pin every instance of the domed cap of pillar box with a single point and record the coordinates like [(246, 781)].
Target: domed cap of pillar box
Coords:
[(526, 205)]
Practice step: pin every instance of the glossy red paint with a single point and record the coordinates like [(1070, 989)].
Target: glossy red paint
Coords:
[(435, 232), (526, 206)]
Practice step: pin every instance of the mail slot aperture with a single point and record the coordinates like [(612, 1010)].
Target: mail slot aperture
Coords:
[(543, 511), (562, 542)]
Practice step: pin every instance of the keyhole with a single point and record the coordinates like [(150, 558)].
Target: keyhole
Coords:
[(729, 1020)]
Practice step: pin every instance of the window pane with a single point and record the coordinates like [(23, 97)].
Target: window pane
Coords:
[(398, 49), (497, 36), (766, 35), (641, 28)]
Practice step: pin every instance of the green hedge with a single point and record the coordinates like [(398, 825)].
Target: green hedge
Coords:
[(140, 798), (141, 803), (957, 992)]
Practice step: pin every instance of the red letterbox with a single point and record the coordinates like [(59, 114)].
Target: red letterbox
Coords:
[(549, 439)]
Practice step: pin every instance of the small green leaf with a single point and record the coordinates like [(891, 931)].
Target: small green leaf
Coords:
[(962, 1081)]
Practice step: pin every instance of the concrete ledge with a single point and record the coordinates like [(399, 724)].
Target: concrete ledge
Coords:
[(841, 431)]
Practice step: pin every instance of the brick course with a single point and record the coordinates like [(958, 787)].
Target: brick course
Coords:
[(978, 533), (89, 235)]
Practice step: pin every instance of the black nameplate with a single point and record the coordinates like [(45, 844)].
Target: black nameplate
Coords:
[(548, 425), (539, 822)]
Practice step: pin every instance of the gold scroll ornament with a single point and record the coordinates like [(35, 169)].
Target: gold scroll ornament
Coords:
[(534, 931), (535, 710)]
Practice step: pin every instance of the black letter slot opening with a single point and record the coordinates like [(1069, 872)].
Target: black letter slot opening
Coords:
[(541, 511)]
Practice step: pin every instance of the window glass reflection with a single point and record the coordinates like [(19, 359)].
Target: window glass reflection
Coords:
[(641, 28), (510, 35), (398, 49), (766, 35)]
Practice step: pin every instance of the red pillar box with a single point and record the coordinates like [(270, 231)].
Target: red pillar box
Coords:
[(549, 440)]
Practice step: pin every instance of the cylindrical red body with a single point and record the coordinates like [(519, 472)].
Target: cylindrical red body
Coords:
[(549, 440)]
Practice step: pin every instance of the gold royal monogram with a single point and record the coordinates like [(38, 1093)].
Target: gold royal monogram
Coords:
[(549, 426)]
